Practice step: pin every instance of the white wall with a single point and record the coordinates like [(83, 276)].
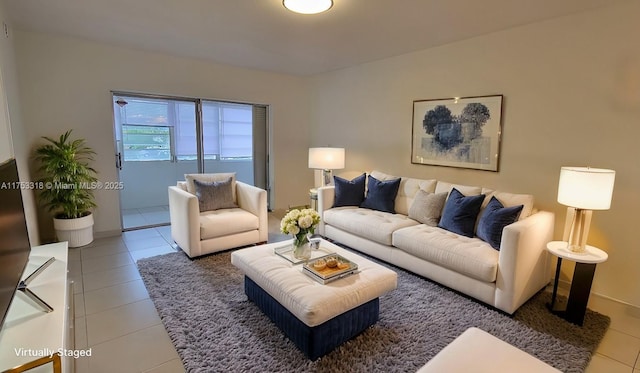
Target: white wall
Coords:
[(571, 91), (66, 83), (6, 146), (12, 138)]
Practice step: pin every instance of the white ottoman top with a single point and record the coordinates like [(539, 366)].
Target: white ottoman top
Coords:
[(310, 301), (480, 352)]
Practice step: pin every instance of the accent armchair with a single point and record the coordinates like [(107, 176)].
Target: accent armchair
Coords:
[(197, 232)]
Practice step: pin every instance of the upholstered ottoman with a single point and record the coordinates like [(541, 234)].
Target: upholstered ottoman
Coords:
[(316, 318), (478, 351)]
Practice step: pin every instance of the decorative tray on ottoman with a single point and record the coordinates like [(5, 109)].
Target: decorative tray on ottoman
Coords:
[(286, 252), (323, 270)]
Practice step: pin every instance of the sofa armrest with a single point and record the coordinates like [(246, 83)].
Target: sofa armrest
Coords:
[(326, 196), (185, 220), (523, 267), (254, 200)]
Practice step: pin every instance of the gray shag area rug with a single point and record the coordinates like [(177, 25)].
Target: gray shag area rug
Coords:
[(215, 328)]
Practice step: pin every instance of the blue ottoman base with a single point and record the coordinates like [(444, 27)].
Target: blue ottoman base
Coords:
[(321, 339)]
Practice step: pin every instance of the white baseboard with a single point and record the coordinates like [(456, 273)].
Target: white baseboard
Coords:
[(564, 286)]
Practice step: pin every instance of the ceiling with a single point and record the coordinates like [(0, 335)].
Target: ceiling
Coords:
[(262, 34)]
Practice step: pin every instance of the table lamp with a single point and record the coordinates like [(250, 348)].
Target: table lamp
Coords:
[(326, 159), (583, 189)]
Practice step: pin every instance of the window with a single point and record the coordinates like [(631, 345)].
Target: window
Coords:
[(227, 130), (146, 143), (165, 130)]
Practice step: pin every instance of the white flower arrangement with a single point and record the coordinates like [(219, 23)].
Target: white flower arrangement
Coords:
[(300, 223)]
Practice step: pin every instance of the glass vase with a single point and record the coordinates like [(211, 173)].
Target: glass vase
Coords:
[(301, 247)]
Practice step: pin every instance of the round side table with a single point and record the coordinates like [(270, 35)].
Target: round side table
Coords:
[(586, 262)]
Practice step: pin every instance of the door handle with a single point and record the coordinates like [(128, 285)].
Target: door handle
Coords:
[(119, 161)]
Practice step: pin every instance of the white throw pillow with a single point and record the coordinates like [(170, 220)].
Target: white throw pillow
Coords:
[(427, 207)]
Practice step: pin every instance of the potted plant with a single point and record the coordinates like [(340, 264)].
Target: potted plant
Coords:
[(67, 181)]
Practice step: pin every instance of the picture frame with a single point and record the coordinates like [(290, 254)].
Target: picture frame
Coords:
[(460, 132)]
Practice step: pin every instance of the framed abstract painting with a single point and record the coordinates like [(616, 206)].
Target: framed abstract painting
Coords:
[(457, 132)]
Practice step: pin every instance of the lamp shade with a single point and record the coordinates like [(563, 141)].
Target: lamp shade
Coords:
[(326, 158), (586, 188)]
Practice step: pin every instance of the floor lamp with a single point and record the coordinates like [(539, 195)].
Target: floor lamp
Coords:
[(583, 189)]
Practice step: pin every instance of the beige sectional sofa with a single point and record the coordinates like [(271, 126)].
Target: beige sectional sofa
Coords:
[(504, 278)]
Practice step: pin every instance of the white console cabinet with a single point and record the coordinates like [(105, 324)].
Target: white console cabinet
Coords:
[(28, 330)]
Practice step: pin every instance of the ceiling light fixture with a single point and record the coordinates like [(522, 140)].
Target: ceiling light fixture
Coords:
[(308, 6)]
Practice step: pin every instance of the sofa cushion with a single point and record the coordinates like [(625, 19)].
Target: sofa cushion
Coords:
[(427, 207), (467, 190), (493, 220), (509, 200), (407, 190), (374, 225), (349, 192), (381, 195), (214, 195), (460, 213), (224, 222), (209, 178), (469, 256)]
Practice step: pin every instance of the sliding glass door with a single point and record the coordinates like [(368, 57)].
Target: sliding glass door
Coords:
[(159, 139), (227, 135)]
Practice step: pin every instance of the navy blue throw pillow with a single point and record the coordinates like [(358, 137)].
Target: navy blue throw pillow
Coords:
[(349, 192), (460, 213), (493, 220), (381, 195)]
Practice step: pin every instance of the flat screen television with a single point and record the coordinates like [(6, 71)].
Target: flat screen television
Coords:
[(14, 237)]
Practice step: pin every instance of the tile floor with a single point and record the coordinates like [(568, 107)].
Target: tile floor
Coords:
[(116, 318), (144, 217)]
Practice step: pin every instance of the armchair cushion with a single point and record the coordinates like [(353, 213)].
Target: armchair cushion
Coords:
[(226, 222), (214, 195), (191, 188)]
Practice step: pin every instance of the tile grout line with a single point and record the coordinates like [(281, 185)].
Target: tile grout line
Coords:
[(120, 305), (612, 358), (126, 334), (130, 332), (625, 333)]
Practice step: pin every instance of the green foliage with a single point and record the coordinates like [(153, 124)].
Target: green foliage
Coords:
[(67, 177)]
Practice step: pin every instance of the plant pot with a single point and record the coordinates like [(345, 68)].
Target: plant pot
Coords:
[(77, 232)]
